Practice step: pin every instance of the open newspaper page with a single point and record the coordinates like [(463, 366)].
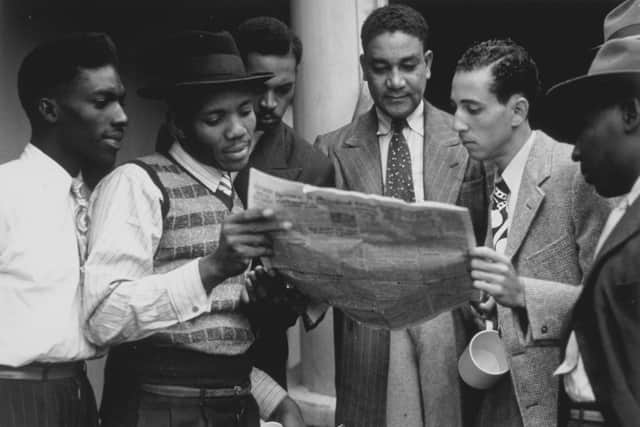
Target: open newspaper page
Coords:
[(382, 261)]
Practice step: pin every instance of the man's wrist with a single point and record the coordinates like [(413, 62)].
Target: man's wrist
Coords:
[(211, 273), (285, 410)]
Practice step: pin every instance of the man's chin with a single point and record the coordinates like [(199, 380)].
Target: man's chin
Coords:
[(235, 165), (399, 111), (608, 188), (266, 124)]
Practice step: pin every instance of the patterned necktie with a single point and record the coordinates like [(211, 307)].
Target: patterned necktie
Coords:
[(499, 216), (224, 191), (80, 193), (399, 180)]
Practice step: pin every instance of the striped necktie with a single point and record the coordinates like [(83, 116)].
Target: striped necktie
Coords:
[(499, 215), (399, 179), (80, 193), (225, 190)]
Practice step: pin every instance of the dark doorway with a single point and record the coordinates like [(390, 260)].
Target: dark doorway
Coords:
[(559, 35)]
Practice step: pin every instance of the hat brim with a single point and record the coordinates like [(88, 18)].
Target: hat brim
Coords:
[(252, 82), (567, 102)]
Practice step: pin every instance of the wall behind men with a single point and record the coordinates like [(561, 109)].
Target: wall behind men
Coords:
[(559, 35), (132, 25)]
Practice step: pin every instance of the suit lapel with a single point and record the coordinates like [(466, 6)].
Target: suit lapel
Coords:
[(272, 154), (628, 226), (530, 195), (360, 156), (445, 159)]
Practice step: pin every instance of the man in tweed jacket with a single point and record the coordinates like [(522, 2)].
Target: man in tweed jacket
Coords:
[(416, 366), (537, 258)]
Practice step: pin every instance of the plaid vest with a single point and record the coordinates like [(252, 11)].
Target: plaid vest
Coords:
[(193, 217)]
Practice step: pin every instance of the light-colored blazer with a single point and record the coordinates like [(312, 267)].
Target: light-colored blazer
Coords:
[(365, 363), (551, 242)]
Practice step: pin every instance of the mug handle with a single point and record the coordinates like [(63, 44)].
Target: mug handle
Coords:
[(488, 325)]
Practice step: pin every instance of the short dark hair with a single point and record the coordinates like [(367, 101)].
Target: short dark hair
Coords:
[(392, 18), (513, 69), (268, 36), (56, 62)]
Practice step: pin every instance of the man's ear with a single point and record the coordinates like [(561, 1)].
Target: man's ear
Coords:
[(173, 127), (48, 109), (630, 114), (428, 60), (520, 108), (363, 66)]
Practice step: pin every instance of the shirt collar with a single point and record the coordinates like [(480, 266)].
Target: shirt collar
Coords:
[(415, 120), (208, 175), (512, 174), (634, 193), (55, 174)]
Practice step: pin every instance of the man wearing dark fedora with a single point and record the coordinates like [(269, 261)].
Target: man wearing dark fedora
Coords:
[(169, 247), (600, 113)]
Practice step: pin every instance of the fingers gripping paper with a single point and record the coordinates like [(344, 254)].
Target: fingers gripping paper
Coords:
[(382, 261)]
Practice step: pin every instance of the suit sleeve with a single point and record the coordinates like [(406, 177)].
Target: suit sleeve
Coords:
[(549, 304), (325, 145)]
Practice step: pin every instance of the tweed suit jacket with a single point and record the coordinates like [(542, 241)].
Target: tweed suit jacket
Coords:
[(607, 323), (431, 349), (551, 242)]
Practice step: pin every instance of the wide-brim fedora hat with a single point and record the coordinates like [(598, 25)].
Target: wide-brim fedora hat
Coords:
[(617, 62), (198, 59)]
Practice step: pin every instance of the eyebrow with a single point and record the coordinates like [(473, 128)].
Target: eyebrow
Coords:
[(111, 92)]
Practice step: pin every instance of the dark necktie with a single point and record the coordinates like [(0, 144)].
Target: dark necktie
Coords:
[(225, 191), (499, 215), (399, 180)]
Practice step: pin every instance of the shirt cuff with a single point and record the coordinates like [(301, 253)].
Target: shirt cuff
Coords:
[(267, 392), (187, 294)]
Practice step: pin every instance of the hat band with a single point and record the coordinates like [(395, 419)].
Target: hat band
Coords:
[(629, 30), (219, 64)]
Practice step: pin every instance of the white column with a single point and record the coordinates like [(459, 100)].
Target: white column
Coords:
[(327, 91)]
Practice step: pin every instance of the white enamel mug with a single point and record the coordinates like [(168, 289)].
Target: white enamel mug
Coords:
[(484, 360)]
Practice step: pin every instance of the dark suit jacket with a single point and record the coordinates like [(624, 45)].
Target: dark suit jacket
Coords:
[(551, 242), (450, 176), (607, 322), (282, 153)]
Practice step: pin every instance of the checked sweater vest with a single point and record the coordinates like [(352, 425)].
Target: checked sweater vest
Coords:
[(191, 229)]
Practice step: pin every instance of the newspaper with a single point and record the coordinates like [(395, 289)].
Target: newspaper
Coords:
[(382, 261)]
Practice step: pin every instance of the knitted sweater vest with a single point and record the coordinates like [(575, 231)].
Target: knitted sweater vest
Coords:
[(191, 229)]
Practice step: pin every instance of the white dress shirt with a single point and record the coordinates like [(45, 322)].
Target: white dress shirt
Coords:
[(40, 307), (576, 381), (512, 176), (414, 134), (124, 299)]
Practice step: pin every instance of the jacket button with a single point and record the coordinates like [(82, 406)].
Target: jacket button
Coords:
[(544, 329)]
